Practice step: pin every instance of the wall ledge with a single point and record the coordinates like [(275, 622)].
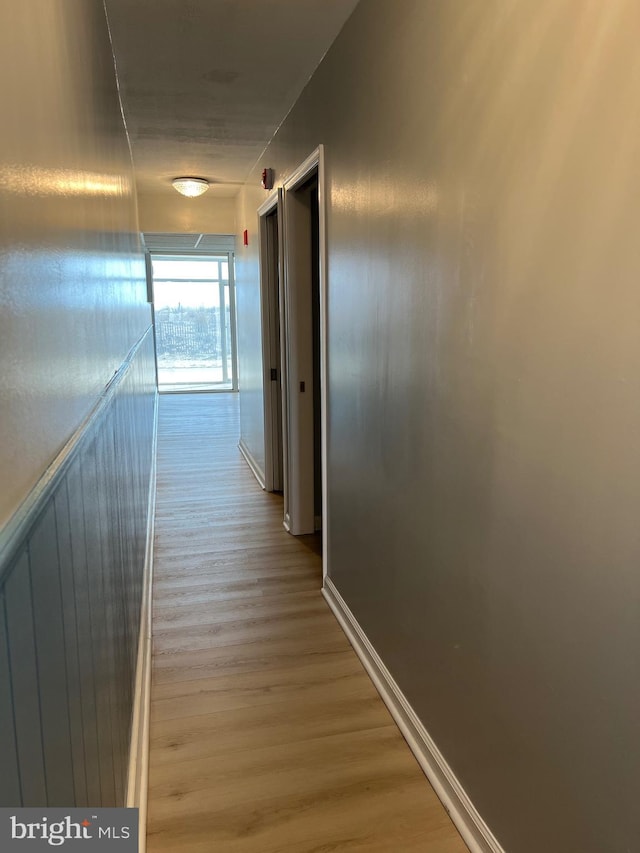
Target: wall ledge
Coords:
[(475, 832), (138, 773), (14, 531)]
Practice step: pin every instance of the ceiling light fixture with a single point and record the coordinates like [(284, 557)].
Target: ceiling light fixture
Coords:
[(191, 187)]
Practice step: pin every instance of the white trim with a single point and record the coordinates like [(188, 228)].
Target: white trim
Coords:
[(475, 832), (269, 203), (324, 357), (316, 161), (258, 473), (303, 171), (138, 773)]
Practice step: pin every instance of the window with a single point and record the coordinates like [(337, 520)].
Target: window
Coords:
[(194, 309)]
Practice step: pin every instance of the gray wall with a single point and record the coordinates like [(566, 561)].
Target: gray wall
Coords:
[(170, 213), (484, 409), (73, 321), (72, 289), (248, 312)]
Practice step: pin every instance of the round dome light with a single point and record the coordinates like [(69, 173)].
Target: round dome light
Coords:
[(191, 187)]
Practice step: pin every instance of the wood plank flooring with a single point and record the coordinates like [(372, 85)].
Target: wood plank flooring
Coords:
[(266, 735)]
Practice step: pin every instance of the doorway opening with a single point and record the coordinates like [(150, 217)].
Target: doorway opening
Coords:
[(274, 367), (304, 346), (194, 317)]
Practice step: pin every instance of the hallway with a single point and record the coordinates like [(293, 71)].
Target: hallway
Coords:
[(266, 733)]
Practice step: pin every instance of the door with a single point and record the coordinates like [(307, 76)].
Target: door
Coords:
[(304, 333), (272, 302)]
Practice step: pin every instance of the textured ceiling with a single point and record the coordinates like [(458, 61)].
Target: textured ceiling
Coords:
[(206, 83)]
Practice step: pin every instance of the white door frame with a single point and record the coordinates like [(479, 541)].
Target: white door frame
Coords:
[(296, 417), (271, 204)]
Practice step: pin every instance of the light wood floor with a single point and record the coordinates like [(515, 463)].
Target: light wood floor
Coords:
[(266, 735)]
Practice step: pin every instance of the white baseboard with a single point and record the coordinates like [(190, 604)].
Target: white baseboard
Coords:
[(258, 473), (476, 834), (138, 773)]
